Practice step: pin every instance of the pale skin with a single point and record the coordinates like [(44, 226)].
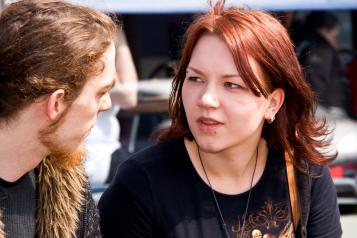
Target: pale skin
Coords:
[(225, 117), (22, 150), (125, 92), (331, 35)]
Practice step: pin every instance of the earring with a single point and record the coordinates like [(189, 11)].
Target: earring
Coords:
[(270, 121)]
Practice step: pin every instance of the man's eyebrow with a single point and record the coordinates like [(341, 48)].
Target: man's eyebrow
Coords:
[(113, 83), (110, 86)]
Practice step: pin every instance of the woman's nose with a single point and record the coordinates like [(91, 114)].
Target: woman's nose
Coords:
[(209, 97)]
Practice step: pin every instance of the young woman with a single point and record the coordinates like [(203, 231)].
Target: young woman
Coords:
[(242, 157)]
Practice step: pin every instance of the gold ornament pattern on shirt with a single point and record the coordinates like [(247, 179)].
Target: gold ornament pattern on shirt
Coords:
[(272, 220)]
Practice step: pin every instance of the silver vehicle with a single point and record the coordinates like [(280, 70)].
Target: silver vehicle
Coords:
[(344, 142)]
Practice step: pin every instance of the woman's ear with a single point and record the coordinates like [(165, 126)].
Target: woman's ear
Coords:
[(56, 104), (275, 101)]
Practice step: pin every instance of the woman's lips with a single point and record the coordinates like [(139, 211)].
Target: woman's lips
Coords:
[(208, 125)]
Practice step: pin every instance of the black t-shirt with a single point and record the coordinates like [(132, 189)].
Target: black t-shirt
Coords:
[(158, 193)]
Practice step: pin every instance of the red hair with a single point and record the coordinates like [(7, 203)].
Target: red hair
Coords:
[(258, 35)]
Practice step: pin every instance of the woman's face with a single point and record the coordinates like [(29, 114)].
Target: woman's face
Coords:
[(222, 112)]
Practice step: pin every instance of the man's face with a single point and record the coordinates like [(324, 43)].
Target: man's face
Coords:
[(82, 114), (331, 35)]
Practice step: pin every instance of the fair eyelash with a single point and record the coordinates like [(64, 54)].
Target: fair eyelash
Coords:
[(232, 85)]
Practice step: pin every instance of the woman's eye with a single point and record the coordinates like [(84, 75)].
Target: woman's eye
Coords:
[(232, 85), (194, 79)]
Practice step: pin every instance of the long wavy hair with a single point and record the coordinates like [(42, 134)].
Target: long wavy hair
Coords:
[(47, 45), (257, 34)]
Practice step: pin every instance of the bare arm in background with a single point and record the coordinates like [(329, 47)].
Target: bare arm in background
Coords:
[(125, 92)]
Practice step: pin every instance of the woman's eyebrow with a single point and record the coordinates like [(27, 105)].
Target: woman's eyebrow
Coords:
[(195, 70), (233, 75)]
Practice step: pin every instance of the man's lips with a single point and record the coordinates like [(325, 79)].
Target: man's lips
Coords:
[(89, 131)]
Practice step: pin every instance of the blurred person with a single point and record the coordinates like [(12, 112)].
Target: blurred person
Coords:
[(57, 65), (104, 150), (318, 54), (241, 157), (351, 73)]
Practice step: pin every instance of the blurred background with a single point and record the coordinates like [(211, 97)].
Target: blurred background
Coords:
[(155, 29)]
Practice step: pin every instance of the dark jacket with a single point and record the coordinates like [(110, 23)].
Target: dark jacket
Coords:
[(305, 183), (323, 71), (89, 220), (65, 207)]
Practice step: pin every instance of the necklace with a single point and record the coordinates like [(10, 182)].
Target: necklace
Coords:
[(223, 223)]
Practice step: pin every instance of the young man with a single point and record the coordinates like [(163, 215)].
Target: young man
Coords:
[(324, 71), (57, 66), (104, 150)]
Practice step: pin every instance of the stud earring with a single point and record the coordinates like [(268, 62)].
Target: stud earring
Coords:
[(270, 121)]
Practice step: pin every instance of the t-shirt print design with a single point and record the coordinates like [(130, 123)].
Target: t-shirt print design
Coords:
[(272, 220)]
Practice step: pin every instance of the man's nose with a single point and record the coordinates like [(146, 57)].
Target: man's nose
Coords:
[(106, 103)]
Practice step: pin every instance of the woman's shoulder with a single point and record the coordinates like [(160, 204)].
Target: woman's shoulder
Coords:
[(144, 174), (316, 177), (313, 170), (159, 152), (153, 159)]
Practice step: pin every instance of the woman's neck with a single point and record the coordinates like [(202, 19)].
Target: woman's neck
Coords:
[(229, 171)]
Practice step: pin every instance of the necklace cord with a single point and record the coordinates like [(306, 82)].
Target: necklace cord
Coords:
[(223, 223)]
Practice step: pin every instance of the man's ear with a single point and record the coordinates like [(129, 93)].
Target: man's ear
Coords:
[(275, 101), (56, 104)]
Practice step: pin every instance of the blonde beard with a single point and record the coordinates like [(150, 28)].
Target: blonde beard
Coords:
[(66, 160), (59, 156)]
